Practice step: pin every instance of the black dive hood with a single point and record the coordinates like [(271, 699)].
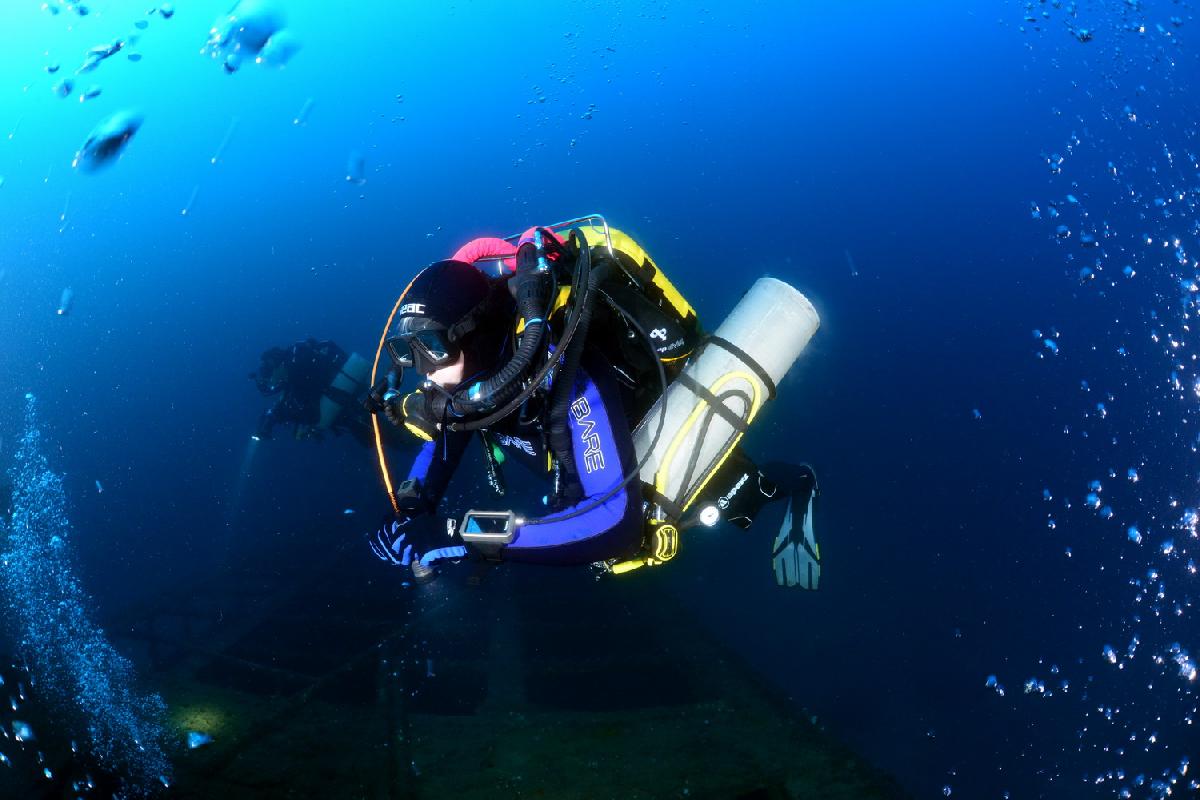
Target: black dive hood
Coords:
[(477, 405)]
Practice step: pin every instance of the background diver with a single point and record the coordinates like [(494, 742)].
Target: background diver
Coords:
[(317, 388), (562, 363)]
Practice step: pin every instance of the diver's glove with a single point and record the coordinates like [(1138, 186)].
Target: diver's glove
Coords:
[(400, 542), (413, 412), (392, 405), (391, 543)]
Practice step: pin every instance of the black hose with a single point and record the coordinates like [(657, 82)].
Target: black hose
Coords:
[(559, 435), (532, 385), (534, 295), (662, 419)]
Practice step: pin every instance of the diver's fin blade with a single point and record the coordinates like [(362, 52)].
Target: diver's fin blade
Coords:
[(795, 558)]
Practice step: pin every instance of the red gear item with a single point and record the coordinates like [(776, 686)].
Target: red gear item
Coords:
[(488, 247), (492, 247)]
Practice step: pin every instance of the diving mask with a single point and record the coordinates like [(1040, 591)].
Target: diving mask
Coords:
[(424, 350)]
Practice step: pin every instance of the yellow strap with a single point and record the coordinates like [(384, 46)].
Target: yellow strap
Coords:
[(660, 477)]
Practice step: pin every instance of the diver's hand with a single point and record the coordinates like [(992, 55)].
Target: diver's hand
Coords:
[(392, 543), (393, 408), (415, 412), (401, 543)]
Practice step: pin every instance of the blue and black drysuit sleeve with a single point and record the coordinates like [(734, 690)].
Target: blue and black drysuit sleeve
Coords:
[(434, 466), (602, 446)]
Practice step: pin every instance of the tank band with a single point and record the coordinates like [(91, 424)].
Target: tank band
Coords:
[(338, 396), (714, 402), (673, 510), (729, 346)]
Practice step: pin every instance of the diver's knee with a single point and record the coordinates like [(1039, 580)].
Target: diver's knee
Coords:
[(791, 478)]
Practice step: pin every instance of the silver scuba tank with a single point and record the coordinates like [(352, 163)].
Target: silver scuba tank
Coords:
[(720, 392)]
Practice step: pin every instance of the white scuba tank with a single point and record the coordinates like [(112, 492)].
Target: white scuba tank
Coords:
[(352, 379), (766, 332)]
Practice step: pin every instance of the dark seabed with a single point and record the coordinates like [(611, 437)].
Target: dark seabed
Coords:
[(995, 208)]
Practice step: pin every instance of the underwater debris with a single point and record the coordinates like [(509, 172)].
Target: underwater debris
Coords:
[(356, 167), (22, 732), (88, 684), (187, 209), (98, 54), (64, 302), (197, 739), (233, 123), (279, 49), (54, 7), (107, 140), (301, 117), (247, 31)]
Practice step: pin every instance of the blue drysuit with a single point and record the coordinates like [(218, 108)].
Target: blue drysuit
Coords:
[(603, 452)]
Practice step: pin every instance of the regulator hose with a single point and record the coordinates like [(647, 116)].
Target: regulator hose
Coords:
[(535, 288), (535, 291), (532, 385), (559, 434)]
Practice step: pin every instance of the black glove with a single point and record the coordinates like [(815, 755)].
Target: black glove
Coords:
[(413, 412), (383, 388), (393, 408), (392, 543), (404, 540)]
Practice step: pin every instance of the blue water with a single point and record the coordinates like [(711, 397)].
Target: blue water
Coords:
[(884, 158)]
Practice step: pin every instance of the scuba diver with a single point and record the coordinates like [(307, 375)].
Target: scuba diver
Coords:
[(318, 388), (582, 361)]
